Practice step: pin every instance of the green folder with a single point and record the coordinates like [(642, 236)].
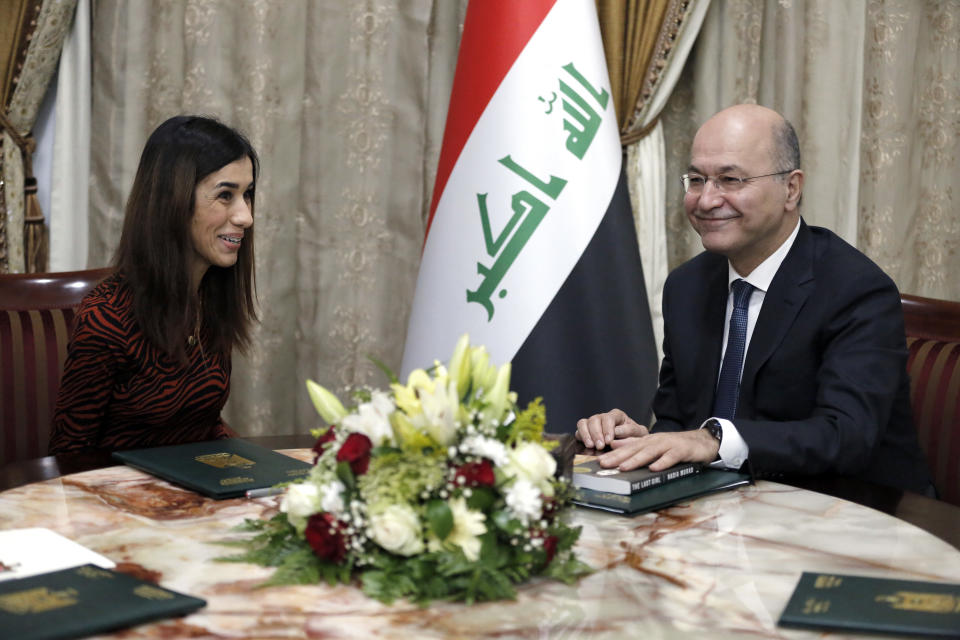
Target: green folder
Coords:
[(825, 601), (219, 469), (706, 482), (83, 601)]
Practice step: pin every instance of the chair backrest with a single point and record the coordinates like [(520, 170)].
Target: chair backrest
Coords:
[(36, 320), (933, 339)]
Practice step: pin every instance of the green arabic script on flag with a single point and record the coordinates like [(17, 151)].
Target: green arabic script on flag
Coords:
[(528, 209)]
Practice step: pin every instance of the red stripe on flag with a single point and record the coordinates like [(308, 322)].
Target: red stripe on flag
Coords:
[(494, 34)]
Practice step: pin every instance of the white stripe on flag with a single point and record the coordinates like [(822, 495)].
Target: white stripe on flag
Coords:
[(543, 160)]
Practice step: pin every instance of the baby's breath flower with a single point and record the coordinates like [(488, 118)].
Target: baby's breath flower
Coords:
[(524, 501)]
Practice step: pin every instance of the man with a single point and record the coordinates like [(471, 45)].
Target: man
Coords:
[(783, 345)]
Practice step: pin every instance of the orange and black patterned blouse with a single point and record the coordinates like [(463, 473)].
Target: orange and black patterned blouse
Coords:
[(119, 391)]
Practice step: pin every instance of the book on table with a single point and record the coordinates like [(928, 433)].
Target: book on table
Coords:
[(219, 469), (826, 601), (83, 601), (590, 475), (707, 481)]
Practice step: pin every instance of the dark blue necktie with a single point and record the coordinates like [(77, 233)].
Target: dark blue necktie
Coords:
[(728, 388)]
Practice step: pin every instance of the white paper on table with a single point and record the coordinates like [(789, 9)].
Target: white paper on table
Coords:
[(27, 552)]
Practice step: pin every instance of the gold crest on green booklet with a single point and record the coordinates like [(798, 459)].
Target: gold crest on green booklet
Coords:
[(882, 605), (224, 460)]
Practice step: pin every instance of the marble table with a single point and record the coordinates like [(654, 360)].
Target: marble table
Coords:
[(723, 565)]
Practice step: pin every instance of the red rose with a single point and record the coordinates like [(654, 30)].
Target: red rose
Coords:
[(327, 546), (322, 441), (476, 474), (356, 451), (550, 547)]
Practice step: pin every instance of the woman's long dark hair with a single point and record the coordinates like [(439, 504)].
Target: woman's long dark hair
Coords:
[(156, 247)]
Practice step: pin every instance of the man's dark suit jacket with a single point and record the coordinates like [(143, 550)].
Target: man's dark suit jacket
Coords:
[(824, 387)]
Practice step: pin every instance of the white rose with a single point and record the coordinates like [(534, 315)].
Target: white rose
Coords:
[(300, 502), (331, 499), (529, 461), (397, 529), (372, 419)]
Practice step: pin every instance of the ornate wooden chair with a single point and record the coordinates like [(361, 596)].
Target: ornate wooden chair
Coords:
[(36, 319), (933, 339)]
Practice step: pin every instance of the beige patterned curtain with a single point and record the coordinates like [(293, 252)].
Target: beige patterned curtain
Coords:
[(873, 88), (345, 102), (31, 35)]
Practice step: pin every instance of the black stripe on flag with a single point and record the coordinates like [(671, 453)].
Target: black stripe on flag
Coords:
[(593, 348)]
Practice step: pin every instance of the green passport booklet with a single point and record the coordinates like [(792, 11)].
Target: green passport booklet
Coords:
[(878, 605), (218, 468), (83, 601), (705, 482)]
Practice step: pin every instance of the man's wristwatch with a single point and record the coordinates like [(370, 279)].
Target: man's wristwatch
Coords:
[(715, 429)]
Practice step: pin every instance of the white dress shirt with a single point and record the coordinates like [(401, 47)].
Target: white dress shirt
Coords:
[(733, 450)]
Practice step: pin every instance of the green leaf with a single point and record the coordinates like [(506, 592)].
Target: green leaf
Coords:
[(510, 526), (382, 450), (491, 554), (301, 566), (566, 536), (391, 376), (345, 475), (440, 518), (481, 498), (566, 568)]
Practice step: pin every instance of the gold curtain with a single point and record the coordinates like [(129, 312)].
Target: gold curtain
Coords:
[(637, 38), (32, 33)]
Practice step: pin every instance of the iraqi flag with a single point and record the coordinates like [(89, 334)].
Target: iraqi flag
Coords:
[(530, 245)]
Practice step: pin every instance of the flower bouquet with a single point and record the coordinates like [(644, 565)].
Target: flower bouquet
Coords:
[(441, 488)]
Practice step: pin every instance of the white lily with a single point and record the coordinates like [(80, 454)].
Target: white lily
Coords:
[(460, 364), (441, 407), (498, 397), (372, 419), (326, 404), (468, 526), (481, 371)]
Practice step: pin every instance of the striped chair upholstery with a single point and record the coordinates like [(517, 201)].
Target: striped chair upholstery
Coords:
[(933, 340), (36, 318)]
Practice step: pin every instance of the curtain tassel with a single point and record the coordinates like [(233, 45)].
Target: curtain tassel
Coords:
[(35, 230)]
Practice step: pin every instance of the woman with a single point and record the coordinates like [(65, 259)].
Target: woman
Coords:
[(149, 360)]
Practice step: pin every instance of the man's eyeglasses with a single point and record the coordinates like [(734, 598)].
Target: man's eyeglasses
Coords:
[(694, 182)]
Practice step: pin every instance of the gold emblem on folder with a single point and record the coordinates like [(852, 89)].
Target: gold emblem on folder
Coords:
[(94, 573), (150, 592), (925, 602), (225, 460), (37, 600)]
